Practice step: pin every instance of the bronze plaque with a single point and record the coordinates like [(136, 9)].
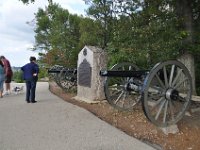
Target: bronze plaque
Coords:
[(84, 77)]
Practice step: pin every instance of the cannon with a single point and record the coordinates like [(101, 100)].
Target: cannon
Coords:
[(164, 91), (54, 75), (66, 78)]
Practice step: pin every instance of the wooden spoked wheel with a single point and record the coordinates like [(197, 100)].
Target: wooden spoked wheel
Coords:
[(167, 92), (116, 91), (67, 79)]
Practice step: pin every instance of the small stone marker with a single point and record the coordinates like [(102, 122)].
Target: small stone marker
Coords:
[(173, 129)]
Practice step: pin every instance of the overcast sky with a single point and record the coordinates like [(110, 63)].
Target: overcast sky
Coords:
[(16, 36)]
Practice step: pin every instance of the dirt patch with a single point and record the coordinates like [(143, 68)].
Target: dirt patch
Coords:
[(136, 125)]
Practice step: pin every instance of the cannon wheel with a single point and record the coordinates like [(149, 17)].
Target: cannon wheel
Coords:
[(167, 93), (65, 80), (115, 91)]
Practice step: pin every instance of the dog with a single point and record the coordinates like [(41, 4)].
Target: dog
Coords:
[(18, 89)]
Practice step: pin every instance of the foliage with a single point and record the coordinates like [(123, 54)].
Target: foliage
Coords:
[(27, 1), (145, 32), (17, 76), (90, 32), (57, 35), (43, 73), (142, 32)]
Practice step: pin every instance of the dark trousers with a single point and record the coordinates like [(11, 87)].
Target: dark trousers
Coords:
[(30, 90)]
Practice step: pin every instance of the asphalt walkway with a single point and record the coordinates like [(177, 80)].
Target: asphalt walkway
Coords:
[(53, 124)]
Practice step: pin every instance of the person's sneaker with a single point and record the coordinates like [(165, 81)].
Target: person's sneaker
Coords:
[(6, 93), (33, 101)]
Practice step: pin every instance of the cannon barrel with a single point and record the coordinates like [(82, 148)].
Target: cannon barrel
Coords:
[(66, 78), (54, 71), (114, 73), (66, 70)]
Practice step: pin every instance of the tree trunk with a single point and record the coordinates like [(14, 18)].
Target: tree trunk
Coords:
[(184, 12), (188, 60)]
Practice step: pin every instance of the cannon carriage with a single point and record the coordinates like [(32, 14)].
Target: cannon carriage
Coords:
[(65, 77), (165, 91)]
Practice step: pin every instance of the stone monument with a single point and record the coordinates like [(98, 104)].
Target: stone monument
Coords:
[(91, 60)]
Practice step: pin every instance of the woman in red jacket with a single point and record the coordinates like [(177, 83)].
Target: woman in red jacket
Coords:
[(8, 73)]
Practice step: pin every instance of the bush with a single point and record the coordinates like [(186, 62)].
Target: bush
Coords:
[(17, 77)]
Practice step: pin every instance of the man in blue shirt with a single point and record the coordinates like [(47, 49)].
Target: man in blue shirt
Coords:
[(30, 75)]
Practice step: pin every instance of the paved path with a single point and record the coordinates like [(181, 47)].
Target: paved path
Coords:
[(53, 124)]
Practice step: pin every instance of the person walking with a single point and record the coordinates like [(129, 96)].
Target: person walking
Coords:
[(8, 74), (30, 75), (2, 78)]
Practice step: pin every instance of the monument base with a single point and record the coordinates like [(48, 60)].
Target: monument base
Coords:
[(85, 100)]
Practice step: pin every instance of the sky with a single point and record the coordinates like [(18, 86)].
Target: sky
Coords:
[(16, 36)]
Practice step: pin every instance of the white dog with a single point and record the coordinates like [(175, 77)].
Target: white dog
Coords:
[(18, 89)]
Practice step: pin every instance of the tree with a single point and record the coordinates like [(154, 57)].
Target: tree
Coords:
[(90, 32), (32, 1), (100, 11), (58, 31), (27, 1)]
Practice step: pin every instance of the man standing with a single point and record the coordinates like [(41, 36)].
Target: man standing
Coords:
[(8, 73), (30, 75)]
